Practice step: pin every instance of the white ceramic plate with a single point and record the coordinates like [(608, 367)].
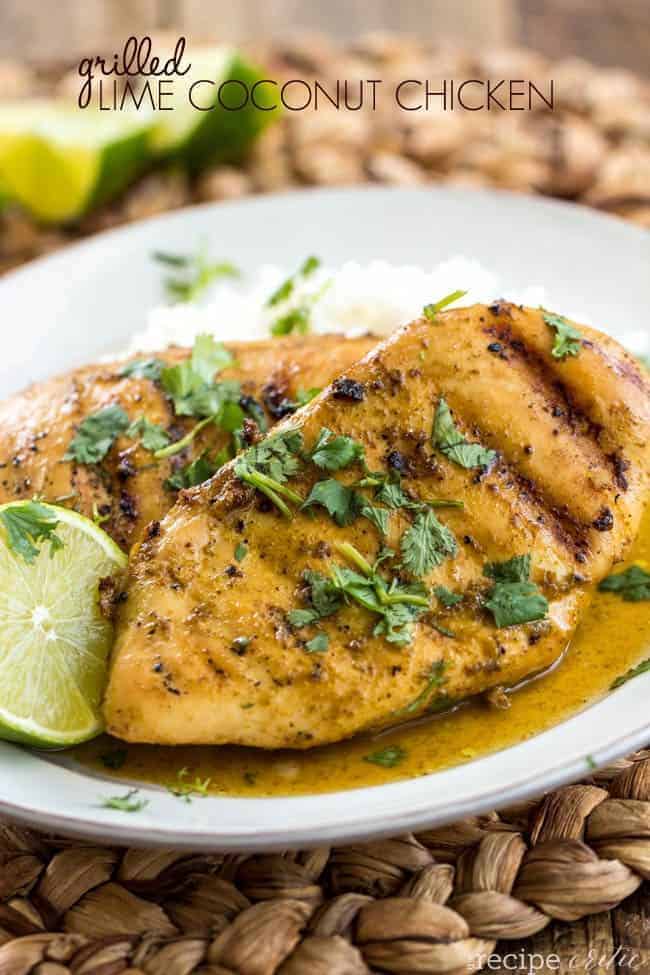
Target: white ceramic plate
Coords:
[(87, 300)]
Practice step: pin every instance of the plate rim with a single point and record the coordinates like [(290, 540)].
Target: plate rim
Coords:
[(355, 827)]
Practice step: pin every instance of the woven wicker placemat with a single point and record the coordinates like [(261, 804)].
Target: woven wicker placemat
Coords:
[(433, 903)]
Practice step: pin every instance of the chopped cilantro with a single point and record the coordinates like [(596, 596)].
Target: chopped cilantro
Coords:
[(142, 369), (304, 396), (642, 668), (324, 600), (240, 551), (126, 803), (516, 569), (333, 453), (447, 597), (286, 289), (447, 438), (318, 644), (398, 605), (425, 544), (387, 757), (196, 472), (632, 585), (190, 384), (379, 517), (268, 465), (434, 679), (192, 274), (115, 758), (340, 501), (96, 435), (152, 437), (567, 338), (187, 790), (26, 525), (513, 599), (431, 311), (298, 318)]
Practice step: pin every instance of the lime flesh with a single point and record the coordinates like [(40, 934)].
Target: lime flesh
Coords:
[(59, 161), (211, 134), (54, 640)]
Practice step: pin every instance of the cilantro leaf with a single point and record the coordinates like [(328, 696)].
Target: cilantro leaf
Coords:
[(425, 544), (241, 551), (304, 396), (286, 289), (434, 679), (513, 599), (209, 357), (96, 435), (126, 803), (196, 472), (192, 274), (448, 438), (191, 385), (186, 790), (142, 369), (296, 320), (632, 585), (516, 569), (152, 437), (447, 597), (340, 501), (567, 338), (268, 465), (387, 757), (318, 644), (302, 617), (642, 668), (334, 454), (512, 603), (26, 525), (431, 311), (379, 517), (324, 600), (396, 623), (277, 456)]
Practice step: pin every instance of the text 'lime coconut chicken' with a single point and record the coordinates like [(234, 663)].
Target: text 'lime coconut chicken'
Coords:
[(427, 528)]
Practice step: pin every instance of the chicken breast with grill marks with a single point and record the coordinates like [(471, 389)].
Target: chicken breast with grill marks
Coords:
[(209, 648), (127, 488)]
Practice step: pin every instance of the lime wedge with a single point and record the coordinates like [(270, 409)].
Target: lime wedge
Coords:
[(59, 161), (54, 640), (210, 134)]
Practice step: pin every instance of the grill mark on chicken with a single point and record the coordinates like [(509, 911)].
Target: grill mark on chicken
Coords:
[(548, 383)]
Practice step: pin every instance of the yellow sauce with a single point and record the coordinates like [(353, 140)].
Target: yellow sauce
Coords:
[(614, 636)]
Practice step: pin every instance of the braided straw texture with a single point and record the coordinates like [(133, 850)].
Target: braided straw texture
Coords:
[(435, 903)]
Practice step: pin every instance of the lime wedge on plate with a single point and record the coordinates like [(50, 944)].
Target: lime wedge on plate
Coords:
[(59, 161), (54, 640), (212, 134)]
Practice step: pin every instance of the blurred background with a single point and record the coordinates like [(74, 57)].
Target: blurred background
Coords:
[(60, 181), (605, 32)]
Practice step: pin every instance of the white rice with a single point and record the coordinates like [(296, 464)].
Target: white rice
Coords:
[(377, 297)]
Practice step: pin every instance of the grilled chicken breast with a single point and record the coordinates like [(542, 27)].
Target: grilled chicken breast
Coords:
[(126, 489), (209, 647)]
